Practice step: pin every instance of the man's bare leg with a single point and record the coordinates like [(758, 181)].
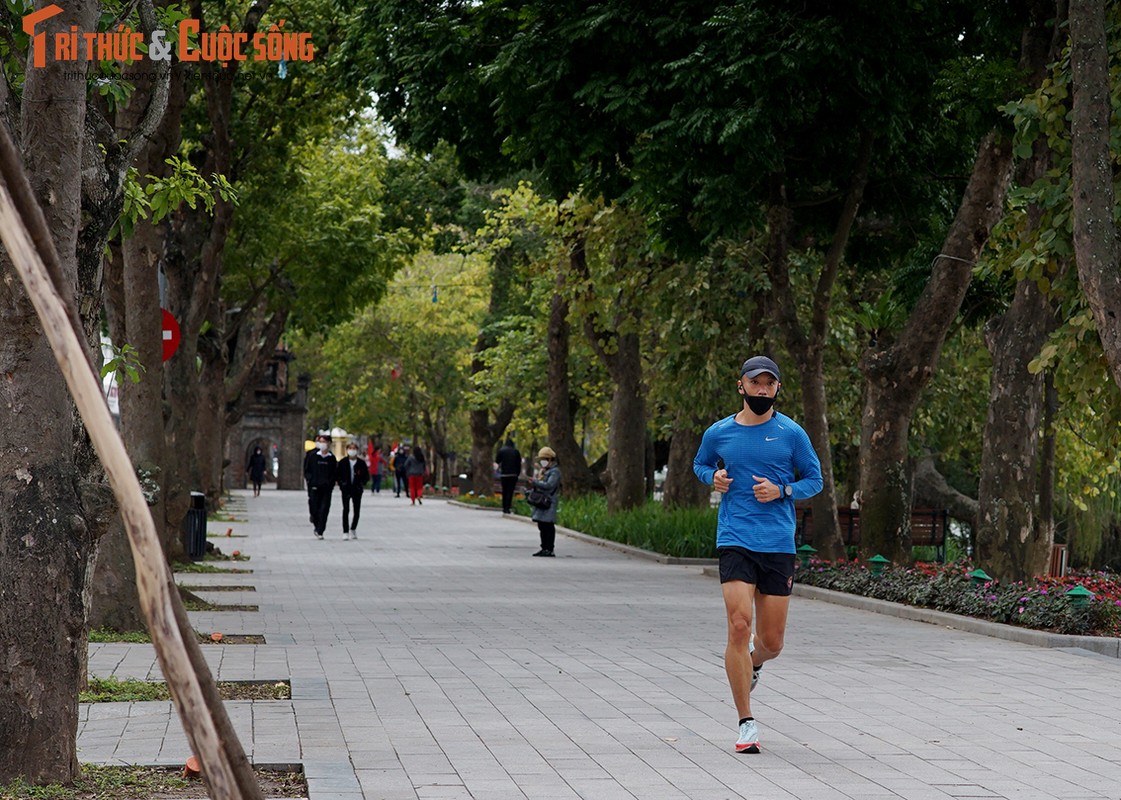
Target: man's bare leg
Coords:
[(738, 602), (770, 626)]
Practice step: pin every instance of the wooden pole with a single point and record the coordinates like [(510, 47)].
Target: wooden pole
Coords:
[(187, 678)]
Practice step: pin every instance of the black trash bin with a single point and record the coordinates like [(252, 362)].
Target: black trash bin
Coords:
[(196, 527)]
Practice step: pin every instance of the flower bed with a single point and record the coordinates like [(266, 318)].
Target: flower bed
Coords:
[(1041, 604)]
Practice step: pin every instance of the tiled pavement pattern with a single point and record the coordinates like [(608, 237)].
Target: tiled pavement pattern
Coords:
[(434, 658)]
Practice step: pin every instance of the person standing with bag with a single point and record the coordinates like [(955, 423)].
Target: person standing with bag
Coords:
[(548, 482)]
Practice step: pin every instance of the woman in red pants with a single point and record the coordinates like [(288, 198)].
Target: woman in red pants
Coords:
[(416, 470)]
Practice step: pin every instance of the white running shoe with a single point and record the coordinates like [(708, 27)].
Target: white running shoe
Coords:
[(346, 536), (749, 737)]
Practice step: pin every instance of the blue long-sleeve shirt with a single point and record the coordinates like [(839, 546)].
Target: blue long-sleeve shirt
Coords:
[(778, 450)]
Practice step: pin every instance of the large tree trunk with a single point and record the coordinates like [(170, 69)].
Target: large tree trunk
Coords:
[(114, 599), (45, 541), (578, 479), (485, 435), (1012, 541), (807, 343), (1095, 234), (1009, 544), (132, 305), (896, 375), (626, 444), (210, 433), (682, 489)]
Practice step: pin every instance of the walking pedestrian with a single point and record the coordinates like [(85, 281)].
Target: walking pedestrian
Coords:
[(548, 480), (377, 469), (351, 475), (320, 465), (509, 462), (416, 470), (399, 481), (768, 463), (256, 470)]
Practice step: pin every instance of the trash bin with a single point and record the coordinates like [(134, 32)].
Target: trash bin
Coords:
[(196, 527)]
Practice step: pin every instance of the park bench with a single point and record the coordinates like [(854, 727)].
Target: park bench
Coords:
[(928, 528)]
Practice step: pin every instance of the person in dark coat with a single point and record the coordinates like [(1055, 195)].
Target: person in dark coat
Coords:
[(351, 475), (320, 465), (509, 462), (548, 480), (416, 470), (256, 470), (400, 483)]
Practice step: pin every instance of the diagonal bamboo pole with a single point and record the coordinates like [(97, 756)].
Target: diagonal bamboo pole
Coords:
[(226, 770)]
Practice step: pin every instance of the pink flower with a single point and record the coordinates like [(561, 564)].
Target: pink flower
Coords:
[(1020, 610)]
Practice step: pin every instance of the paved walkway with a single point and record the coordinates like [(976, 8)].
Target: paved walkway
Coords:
[(434, 658)]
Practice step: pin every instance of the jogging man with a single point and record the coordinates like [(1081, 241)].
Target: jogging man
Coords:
[(761, 461)]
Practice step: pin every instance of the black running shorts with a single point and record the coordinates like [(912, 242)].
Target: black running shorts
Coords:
[(772, 573)]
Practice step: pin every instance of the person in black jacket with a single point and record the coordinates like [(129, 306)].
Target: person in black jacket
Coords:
[(256, 470), (509, 462), (319, 475), (351, 475)]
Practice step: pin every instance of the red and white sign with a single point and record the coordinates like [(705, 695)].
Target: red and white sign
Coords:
[(170, 334)]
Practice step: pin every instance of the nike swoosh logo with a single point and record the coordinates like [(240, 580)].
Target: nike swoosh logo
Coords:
[(770, 438)]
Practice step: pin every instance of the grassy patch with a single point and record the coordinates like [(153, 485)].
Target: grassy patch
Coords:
[(201, 567), (221, 517), (137, 783), (104, 635), (111, 690)]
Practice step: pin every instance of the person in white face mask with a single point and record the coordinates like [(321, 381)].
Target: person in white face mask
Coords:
[(351, 475), (548, 480), (319, 476)]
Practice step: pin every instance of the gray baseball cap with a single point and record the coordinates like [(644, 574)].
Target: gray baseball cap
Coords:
[(757, 365)]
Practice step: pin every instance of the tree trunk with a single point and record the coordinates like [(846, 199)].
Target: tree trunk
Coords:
[(682, 489), (1009, 544), (896, 375), (210, 431), (932, 489), (484, 435), (807, 343), (1012, 541), (578, 479), (1095, 234), (114, 599), (45, 542), (626, 443), (1047, 458)]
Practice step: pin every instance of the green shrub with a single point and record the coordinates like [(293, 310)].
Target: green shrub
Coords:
[(680, 533), (1041, 604)]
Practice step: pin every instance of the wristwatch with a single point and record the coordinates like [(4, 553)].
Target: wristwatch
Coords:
[(787, 491)]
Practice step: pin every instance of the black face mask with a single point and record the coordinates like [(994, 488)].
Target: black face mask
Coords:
[(760, 405)]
